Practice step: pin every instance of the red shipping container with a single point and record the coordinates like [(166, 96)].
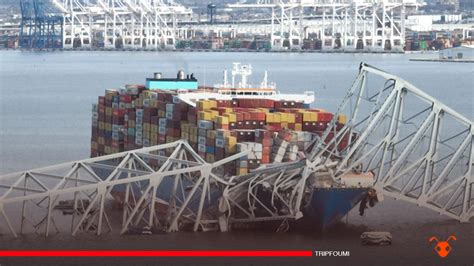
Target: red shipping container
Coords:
[(298, 118), (161, 105), (267, 103), (325, 116), (192, 110), (320, 126), (239, 116), (257, 116), (101, 100), (263, 134), (119, 112), (154, 120), (219, 153), (191, 118), (266, 150), (161, 139), (247, 116), (273, 126), (148, 112), (210, 142), (266, 142), (125, 98), (265, 159)]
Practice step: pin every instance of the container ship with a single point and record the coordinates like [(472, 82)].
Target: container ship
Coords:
[(223, 120)]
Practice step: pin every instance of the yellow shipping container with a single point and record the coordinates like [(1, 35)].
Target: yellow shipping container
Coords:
[(310, 116), (228, 110), (146, 127), (206, 104), (242, 171), (230, 149), (161, 114), (342, 119), (211, 134), (108, 126), (291, 118), (230, 141), (210, 157), (214, 114), (204, 115), (273, 118), (222, 120), (232, 117), (202, 105), (283, 117), (299, 127)]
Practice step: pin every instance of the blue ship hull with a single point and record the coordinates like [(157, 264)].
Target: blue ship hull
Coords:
[(328, 205)]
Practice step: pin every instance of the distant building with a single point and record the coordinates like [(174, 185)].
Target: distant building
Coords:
[(460, 52), (425, 22)]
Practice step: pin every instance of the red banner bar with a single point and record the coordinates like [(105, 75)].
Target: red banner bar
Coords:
[(156, 253)]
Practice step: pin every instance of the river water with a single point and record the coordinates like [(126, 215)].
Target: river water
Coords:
[(46, 97)]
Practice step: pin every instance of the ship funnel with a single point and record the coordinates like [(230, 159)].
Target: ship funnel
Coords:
[(181, 75)]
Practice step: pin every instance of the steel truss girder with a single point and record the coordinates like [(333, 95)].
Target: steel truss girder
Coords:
[(38, 191), (420, 150)]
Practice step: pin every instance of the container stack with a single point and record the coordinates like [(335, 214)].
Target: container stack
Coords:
[(273, 131)]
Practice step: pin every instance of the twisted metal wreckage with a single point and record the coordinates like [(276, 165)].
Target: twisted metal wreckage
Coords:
[(419, 150)]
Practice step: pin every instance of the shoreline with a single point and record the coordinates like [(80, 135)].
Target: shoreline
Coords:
[(207, 51), (442, 60)]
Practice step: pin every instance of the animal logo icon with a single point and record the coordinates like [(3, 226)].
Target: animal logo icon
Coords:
[(443, 247)]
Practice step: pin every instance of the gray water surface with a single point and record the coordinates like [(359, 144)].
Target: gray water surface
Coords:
[(46, 97)]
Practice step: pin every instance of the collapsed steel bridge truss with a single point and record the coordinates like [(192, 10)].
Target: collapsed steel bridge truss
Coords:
[(420, 151)]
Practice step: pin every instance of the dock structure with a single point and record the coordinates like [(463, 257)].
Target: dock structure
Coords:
[(345, 25), (418, 149), (325, 25), (40, 28)]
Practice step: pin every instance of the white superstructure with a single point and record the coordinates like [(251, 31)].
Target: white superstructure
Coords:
[(239, 88)]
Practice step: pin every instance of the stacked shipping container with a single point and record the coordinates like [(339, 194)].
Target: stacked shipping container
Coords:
[(274, 131)]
